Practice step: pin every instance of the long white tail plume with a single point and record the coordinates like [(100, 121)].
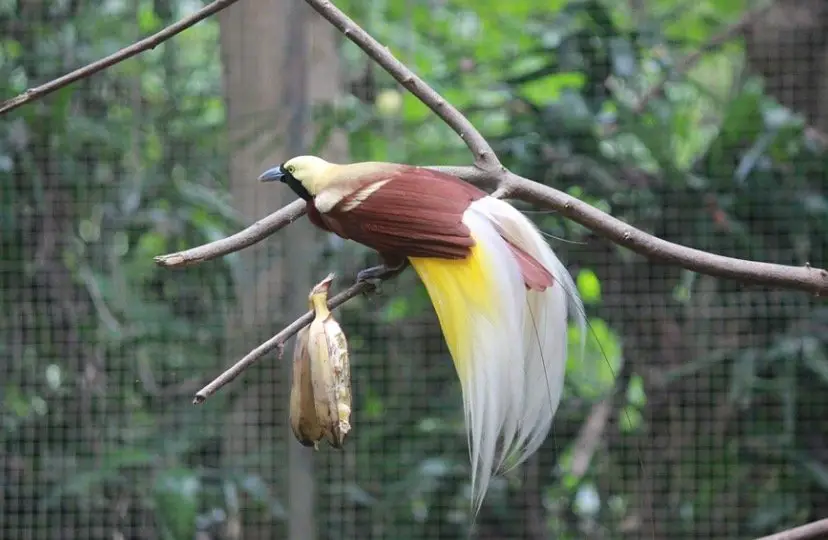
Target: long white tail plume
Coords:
[(489, 399), (532, 372), (508, 343)]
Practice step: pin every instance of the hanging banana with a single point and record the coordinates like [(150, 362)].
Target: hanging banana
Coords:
[(320, 397), (303, 421)]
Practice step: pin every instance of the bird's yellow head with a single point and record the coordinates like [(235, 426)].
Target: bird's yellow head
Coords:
[(303, 174)]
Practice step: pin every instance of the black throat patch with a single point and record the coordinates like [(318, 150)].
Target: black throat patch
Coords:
[(296, 186)]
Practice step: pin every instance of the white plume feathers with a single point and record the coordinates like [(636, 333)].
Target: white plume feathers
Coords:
[(514, 377)]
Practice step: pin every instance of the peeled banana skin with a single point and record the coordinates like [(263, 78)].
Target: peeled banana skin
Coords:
[(330, 368), (331, 378), (320, 397), (303, 421)]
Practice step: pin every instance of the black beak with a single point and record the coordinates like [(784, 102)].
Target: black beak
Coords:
[(279, 173), (274, 174)]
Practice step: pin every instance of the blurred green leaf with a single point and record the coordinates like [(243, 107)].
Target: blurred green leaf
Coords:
[(148, 21), (635, 392), (589, 286), (550, 89), (176, 493), (630, 419), (396, 309), (594, 374)]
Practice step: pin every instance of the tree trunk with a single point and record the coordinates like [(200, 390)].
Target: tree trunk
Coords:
[(279, 59)]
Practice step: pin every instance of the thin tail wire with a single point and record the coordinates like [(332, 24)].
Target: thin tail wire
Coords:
[(589, 326)]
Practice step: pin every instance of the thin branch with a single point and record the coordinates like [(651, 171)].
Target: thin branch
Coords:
[(242, 239), (147, 43), (589, 436), (804, 278), (687, 63), (278, 341), (811, 531), (484, 156)]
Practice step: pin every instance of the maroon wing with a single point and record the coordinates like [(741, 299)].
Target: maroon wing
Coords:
[(535, 274), (416, 213)]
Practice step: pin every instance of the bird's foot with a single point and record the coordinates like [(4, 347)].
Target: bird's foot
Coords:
[(377, 274)]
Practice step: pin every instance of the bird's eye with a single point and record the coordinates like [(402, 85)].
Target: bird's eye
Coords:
[(291, 168)]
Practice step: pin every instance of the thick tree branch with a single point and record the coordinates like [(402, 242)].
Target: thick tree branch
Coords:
[(804, 278), (147, 43), (811, 531), (242, 239)]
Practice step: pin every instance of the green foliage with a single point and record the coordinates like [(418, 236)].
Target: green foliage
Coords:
[(589, 286), (96, 180)]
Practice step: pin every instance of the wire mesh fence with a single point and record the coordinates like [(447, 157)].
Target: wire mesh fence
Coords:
[(697, 410)]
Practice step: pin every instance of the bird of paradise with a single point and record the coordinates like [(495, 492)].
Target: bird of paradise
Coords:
[(501, 295)]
